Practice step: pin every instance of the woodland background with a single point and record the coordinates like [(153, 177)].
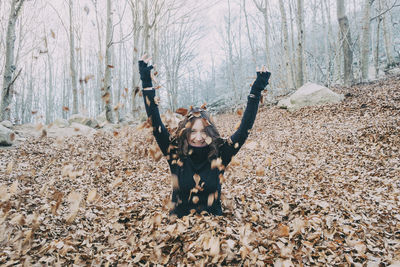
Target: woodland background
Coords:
[(59, 58), (318, 186)]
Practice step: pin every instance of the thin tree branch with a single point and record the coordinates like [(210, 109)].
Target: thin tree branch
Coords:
[(387, 10)]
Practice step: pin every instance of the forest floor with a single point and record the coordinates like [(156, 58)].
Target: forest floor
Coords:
[(319, 186)]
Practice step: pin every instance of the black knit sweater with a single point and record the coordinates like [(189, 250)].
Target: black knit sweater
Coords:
[(208, 198)]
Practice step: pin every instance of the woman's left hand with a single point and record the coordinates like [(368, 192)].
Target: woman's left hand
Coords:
[(262, 78)]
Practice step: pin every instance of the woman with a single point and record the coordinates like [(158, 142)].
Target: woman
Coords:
[(196, 153)]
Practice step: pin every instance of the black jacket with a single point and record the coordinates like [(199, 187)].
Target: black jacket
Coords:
[(210, 198)]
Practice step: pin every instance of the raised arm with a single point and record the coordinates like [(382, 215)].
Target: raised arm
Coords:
[(159, 130), (236, 141)]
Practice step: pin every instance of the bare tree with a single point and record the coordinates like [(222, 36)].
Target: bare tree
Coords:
[(263, 8), (365, 40), (300, 43), (177, 51), (251, 41), (285, 38), (108, 64), (345, 40), (135, 10), (387, 35), (72, 58), (9, 68)]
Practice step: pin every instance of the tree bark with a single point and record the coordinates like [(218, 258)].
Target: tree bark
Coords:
[(9, 67), (107, 97), (300, 43), (263, 8), (135, 48), (288, 66), (365, 40), (387, 37), (345, 38), (230, 55), (72, 59), (376, 57), (251, 41)]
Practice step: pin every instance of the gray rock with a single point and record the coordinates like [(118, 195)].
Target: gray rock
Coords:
[(74, 129), (79, 118), (6, 136), (60, 122), (129, 119), (394, 71), (101, 119), (93, 123), (310, 94), (7, 124)]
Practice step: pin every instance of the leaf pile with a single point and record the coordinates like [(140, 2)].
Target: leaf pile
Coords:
[(320, 186)]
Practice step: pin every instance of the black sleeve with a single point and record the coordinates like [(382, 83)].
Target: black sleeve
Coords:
[(159, 130), (236, 141)]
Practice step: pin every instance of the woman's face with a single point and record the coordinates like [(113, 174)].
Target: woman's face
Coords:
[(197, 135)]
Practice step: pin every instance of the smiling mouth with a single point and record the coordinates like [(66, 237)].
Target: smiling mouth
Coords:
[(199, 144)]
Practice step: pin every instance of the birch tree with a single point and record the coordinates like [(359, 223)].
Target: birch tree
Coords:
[(135, 57), (387, 35), (262, 6), (300, 43), (177, 51), (285, 39), (107, 97), (365, 39), (9, 67), (345, 41), (72, 64)]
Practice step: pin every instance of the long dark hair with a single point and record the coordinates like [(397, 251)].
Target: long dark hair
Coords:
[(180, 138)]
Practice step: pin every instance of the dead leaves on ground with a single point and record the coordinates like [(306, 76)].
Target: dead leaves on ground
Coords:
[(315, 187)]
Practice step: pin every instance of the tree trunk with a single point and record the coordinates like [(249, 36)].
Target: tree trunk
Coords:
[(251, 41), (263, 8), (300, 43), (9, 67), (98, 90), (107, 97), (387, 37), (365, 40), (230, 54), (376, 57), (50, 111), (72, 59), (135, 49), (146, 27), (293, 47), (345, 37), (288, 66)]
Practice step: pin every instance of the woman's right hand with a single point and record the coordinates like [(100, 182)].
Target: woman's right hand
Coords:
[(145, 72)]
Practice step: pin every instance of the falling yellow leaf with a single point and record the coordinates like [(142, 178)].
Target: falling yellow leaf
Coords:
[(14, 187), (196, 178), (10, 167), (174, 181), (214, 246), (260, 171), (92, 195), (210, 199), (282, 231)]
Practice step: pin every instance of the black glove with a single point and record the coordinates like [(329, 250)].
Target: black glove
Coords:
[(145, 74), (261, 82)]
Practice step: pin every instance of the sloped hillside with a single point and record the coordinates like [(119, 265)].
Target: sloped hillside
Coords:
[(320, 186)]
